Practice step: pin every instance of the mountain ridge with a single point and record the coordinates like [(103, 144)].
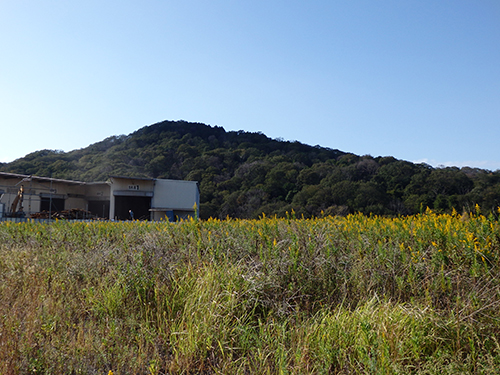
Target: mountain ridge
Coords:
[(243, 174)]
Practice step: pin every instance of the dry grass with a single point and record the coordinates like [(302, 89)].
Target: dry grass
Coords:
[(355, 295)]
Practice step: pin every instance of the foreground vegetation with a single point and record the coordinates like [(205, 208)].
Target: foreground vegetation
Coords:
[(358, 294)]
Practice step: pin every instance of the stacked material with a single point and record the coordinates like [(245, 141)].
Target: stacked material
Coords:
[(72, 214)]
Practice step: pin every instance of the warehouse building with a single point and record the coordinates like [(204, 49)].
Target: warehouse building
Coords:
[(118, 198)]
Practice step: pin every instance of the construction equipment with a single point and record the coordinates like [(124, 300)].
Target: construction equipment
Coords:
[(16, 209)]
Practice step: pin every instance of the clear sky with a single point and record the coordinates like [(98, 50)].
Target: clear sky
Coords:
[(415, 79)]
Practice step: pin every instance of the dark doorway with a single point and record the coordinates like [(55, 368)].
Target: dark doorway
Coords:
[(139, 205), (99, 209), (57, 204)]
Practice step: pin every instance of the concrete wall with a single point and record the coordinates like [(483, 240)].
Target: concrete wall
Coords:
[(131, 184), (176, 195), (174, 200), (97, 191)]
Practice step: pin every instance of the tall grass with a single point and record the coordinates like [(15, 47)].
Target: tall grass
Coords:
[(359, 294)]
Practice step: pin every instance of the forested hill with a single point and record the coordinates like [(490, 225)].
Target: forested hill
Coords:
[(244, 174)]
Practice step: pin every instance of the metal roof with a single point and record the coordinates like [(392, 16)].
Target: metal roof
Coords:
[(47, 179), (134, 178)]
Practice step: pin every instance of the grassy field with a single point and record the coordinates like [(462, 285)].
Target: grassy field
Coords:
[(353, 295)]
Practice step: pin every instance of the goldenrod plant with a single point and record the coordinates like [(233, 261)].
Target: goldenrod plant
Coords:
[(356, 294)]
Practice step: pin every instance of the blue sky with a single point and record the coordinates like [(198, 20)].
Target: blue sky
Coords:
[(417, 80)]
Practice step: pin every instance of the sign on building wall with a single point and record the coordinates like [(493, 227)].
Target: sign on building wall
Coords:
[(133, 187)]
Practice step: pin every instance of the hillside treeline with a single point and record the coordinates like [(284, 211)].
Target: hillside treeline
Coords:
[(243, 174)]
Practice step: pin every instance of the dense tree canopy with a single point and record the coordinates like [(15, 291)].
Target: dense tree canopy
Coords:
[(243, 174)]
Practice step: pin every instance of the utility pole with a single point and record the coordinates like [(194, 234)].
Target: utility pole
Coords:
[(50, 199)]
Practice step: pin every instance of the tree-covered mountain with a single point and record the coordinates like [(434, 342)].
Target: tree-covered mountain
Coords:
[(243, 174)]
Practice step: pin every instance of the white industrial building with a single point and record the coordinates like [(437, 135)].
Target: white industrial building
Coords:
[(147, 198)]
